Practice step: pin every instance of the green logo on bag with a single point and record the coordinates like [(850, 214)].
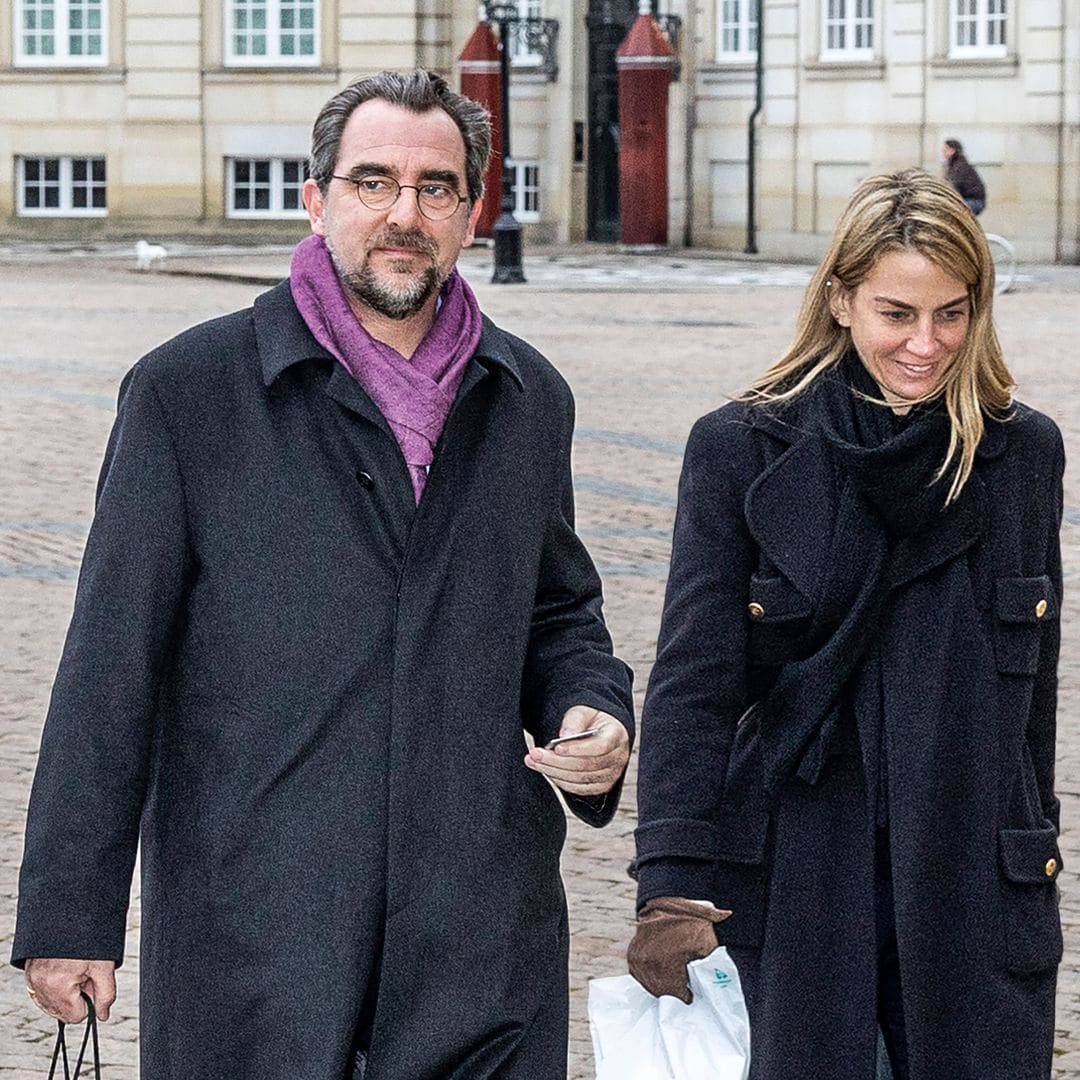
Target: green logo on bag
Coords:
[(721, 977)]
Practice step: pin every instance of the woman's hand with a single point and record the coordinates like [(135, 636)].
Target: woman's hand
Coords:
[(670, 933)]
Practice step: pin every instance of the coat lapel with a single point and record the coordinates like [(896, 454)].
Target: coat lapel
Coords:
[(791, 510), (349, 394)]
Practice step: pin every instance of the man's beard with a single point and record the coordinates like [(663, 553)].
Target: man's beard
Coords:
[(396, 299)]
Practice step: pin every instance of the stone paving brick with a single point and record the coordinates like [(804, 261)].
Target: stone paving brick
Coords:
[(648, 343)]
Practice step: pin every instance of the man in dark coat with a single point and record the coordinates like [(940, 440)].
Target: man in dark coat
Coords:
[(332, 577)]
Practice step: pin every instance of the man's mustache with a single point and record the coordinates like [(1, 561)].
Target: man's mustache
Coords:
[(398, 238)]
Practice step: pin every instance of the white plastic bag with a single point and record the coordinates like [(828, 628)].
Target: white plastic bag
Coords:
[(639, 1037)]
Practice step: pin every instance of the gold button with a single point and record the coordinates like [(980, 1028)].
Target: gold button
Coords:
[(1040, 609), (1051, 867), (756, 610)]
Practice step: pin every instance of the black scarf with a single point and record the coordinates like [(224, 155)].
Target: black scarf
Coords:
[(886, 497)]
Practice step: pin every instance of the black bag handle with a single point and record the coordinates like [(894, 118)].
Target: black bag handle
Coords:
[(60, 1049)]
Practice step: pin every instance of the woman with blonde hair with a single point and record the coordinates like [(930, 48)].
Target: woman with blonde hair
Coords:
[(847, 755)]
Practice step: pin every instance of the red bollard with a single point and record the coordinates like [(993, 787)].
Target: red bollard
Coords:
[(481, 80), (645, 60)]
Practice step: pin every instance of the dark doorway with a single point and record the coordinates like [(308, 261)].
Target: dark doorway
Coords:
[(608, 22)]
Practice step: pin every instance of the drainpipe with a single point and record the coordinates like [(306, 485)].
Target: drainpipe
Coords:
[(751, 153), (689, 76), (1059, 223)]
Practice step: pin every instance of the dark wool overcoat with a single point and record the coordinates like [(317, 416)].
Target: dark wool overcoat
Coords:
[(962, 713), (311, 693)]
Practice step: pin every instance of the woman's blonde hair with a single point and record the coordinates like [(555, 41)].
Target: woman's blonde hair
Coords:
[(908, 210)]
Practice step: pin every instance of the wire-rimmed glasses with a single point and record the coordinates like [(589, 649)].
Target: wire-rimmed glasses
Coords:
[(437, 201)]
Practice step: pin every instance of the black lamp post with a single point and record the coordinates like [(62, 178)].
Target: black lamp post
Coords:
[(507, 229)]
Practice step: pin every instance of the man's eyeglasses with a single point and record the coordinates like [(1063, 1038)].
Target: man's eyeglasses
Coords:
[(437, 201)]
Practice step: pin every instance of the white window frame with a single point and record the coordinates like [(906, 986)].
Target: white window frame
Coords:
[(526, 209), (63, 13), (276, 185), (736, 18), (274, 32), (66, 184), (520, 56), (851, 19), (988, 19)]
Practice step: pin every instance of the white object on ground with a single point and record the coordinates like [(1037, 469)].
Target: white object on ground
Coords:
[(146, 254)]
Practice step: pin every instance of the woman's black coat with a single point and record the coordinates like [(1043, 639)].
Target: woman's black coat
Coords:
[(313, 692), (967, 661)]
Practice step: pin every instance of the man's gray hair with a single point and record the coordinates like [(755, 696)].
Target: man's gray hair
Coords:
[(418, 91)]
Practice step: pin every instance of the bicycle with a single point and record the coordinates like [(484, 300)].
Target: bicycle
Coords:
[(1004, 256), (1001, 251)]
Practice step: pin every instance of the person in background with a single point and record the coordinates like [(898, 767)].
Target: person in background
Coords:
[(847, 758), (332, 579), (962, 175)]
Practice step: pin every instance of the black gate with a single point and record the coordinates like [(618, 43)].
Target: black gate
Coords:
[(608, 22)]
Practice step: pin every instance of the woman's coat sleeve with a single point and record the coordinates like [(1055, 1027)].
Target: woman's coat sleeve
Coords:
[(91, 779), (698, 688)]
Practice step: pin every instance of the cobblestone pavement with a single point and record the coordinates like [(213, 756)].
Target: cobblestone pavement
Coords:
[(649, 342)]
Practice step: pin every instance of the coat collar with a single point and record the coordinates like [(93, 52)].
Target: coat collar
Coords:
[(282, 336), (283, 339), (791, 506)]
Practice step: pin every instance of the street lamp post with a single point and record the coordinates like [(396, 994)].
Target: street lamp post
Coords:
[(507, 230)]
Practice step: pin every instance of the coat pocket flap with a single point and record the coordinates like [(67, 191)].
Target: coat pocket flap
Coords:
[(775, 599), (1025, 599), (1030, 856), (732, 837)]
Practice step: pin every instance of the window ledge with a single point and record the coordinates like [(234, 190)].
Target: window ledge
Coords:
[(527, 76), (265, 215), (871, 68), (66, 72), (975, 67), (50, 213), (271, 73), (728, 71)]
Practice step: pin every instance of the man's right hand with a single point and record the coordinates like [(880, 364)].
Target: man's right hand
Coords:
[(671, 932), (56, 987)]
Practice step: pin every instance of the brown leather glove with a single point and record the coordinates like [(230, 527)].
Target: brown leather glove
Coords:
[(670, 933)]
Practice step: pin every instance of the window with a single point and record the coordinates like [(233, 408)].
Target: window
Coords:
[(847, 29), (977, 28), (523, 52), (736, 30), (266, 187), (527, 190), (61, 186), (60, 33), (261, 33)]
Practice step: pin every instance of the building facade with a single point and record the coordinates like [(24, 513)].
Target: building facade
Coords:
[(164, 117), (154, 118), (854, 87)]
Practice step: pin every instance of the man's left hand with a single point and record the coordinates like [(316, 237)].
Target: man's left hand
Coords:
[(584, 766)]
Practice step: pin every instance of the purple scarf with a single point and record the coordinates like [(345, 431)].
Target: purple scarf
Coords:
[(414, 395)]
